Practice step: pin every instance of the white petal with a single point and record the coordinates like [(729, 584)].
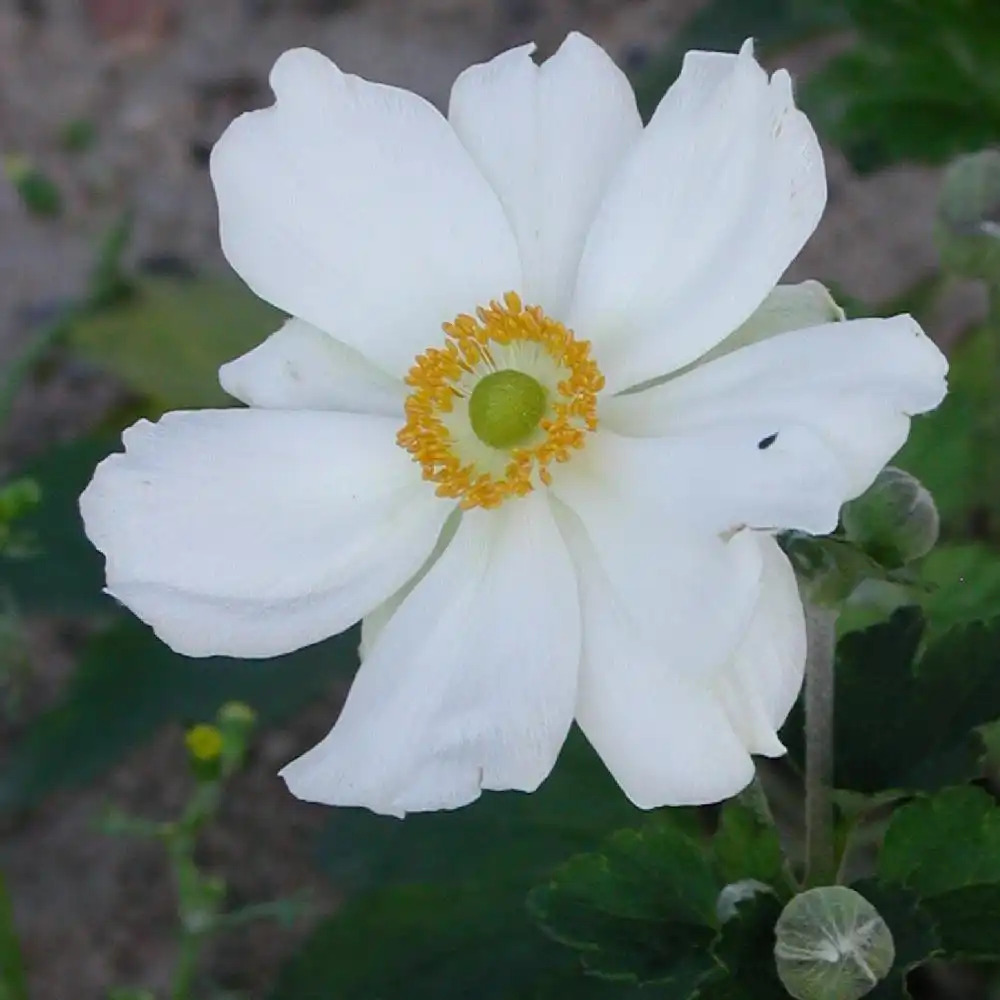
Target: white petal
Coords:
[(695, 592), (472, 682), (254, 532), (760, 684), (658, 727), (302, 368), (700, 222), (353, 206), (834, 402), (787, 308), (548, 139)]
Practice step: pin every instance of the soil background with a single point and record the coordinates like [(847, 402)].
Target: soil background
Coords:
[(160, 79)]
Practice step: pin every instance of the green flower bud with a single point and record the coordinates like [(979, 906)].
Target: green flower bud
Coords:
[(204, 745), (968, 223), (832, 944), (17, 498), (895, 521), (236, 722)]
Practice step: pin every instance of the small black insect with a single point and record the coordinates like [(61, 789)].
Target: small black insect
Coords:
[(766, 442)]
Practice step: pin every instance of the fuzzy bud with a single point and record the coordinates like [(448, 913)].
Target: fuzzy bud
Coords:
[(968, 224), (832, 944), (895, 521)]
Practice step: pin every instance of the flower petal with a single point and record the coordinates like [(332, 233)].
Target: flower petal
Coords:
[(787, 308), (548, 139), (302, 368), (658, 727), (762, 681), (252, 532), (470, 685), (353, 206), (781, 433), (693, 592), (701, 220)]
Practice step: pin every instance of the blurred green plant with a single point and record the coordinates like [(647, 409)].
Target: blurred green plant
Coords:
[(920, 82), (38, 192), (13, 983), (216, 751)]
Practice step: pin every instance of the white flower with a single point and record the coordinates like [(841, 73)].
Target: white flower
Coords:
[(580, 537)]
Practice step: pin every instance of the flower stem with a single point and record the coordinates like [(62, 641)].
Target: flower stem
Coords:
[(822, 639)]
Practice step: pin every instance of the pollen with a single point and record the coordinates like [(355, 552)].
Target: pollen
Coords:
[(467, 459)]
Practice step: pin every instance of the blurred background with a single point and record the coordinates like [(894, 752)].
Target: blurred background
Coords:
[(115, 301)]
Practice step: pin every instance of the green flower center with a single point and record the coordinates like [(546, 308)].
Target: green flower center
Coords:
[(505, 408)]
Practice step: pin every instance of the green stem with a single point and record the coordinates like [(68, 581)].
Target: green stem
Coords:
[(186, 968), (822, 640)]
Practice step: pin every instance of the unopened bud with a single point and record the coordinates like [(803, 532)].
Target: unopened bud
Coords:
[(968, 225), (895, 521), (728, 904), (832, 944), (204, 745)]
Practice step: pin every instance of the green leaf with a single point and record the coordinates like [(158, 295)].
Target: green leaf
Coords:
[(745, 950), (946, 842), (968, 921), (953, 584), (642, 910), (746, 846), (921, 84), (508, 832), (38, 191), (963, 584), (168, 339), (913, 932), (66, 576), (13, 982), (906, 724), (724, 25), (422, 942), (128, 683)]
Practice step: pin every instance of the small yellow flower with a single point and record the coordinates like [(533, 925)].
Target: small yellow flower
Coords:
[(204, 742)]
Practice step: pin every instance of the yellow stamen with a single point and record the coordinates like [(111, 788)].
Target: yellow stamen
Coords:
[(440, 377)]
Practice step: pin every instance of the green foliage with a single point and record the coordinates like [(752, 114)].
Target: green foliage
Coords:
[(950, 841), (906, 721), (744, 950), (65, 576), (519, 835), (746, 846), (723, 26), (13, 983), (38, 191), (427, 942), (938, 884), (648, 908), (168, 338), (922, 82), (914, 933), (642, 910), (128, 683)]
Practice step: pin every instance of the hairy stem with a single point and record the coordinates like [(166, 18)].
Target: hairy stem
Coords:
[(822, 632)]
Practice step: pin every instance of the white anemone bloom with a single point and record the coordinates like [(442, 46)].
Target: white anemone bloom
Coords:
[(536, 418)]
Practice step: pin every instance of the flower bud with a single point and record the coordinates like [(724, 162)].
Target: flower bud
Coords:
[(236, 721), (728, 904), (832, 944), (204, 745), (895, 521), (968, 224)]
